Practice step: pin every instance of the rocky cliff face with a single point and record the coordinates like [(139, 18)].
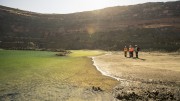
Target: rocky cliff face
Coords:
[(150, 25)]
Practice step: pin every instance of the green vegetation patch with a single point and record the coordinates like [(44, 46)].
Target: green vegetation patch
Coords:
[(27, 67)]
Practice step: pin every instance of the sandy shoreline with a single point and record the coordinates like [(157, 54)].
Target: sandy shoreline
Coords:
[(105, 73), (118, 67), (151, 73)]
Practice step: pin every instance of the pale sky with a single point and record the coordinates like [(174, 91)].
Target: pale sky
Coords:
[(69, 6)]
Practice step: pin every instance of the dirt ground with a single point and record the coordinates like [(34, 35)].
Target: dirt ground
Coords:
[(153, 76), (50, 90)]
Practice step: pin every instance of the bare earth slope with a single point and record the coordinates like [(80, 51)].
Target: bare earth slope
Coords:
[(151, 25), (154, 76)]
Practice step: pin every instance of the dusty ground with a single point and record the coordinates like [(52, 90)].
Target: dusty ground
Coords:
[(154, 76)]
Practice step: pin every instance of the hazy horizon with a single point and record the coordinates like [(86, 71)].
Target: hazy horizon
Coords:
[(69, 6)]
